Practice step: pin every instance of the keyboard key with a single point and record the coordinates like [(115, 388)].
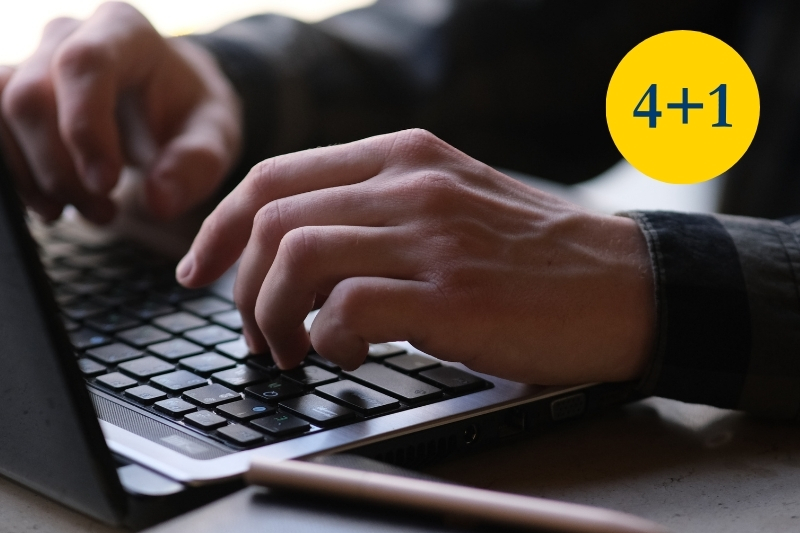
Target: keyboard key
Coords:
[(211, 395), (112, 322), (90, 368), (65, 298), (148, 310), (207, 363), (399, 385), (264, 362), (145, 394), (453, 379), (240, 435), (358, 397), (177, 294), (175, 349), (236, 349), (205, 420), (319, 410), (113, 354), (411, 363), (137, 284), (143, 336), (321, 361), (87, 287), (245, 409), (113, 273), (70, 325), (63, 275), (179, 322), (58, 248), (240, 377), (83, 259), (281, 424), (83, 309), (207, 306), (230, 319), (116, 381), (146, 367), (210, 336), (310, 375), (178, 381), (114, 298), (87, 338), (382, 351), (174, 407), (275, 390)]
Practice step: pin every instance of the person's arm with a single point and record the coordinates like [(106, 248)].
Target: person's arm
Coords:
[(516, 84), (728, 300)]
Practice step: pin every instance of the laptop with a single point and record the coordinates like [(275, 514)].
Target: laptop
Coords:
[(129, 398)]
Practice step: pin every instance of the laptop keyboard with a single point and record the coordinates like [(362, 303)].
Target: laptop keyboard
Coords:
[(179, 354)]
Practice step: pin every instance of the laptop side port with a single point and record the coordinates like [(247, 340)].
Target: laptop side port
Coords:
[(568, 406), (471, 434), (513, 424)]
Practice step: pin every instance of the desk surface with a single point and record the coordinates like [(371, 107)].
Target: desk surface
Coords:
[(689, 467)]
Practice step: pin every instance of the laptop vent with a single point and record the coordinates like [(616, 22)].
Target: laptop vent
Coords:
[(155, 431), (419, 453)]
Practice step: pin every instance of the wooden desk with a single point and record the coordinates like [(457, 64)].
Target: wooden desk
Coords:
[(692, 468)]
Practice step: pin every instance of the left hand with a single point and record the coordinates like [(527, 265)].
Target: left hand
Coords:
[(406, 238)]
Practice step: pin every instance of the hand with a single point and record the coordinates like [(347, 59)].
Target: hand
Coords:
[(110, 91), (406, 238)]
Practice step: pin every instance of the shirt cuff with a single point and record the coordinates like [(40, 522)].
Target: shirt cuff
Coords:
[(728, 311)]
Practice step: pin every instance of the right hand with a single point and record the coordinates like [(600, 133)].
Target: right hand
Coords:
[(107, 92)]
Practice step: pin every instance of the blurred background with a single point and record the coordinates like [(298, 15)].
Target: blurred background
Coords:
[(621, 187)]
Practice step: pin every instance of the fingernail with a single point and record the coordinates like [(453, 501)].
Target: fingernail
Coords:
[(185, 267)]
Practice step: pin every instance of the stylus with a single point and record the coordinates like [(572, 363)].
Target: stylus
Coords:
[(453, 500)]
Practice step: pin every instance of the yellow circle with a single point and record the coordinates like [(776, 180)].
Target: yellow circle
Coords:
[(678, 141)]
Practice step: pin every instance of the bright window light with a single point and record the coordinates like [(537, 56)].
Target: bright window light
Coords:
[(21, 23)]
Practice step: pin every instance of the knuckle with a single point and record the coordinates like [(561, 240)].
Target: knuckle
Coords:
[(83, 56), (118, 10), (27, 98), (269, 225), (414, 143), (59, 25), (432, 191), (298, 249), (261, 177)]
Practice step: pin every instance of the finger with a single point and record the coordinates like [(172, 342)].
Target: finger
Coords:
[(311, 261), (365, 310), (192, 165), (29, 107), (356, 206), (112, 51), (226, 231), (26, 186)]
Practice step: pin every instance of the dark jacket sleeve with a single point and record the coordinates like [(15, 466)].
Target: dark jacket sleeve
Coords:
[(728, 297), (516, 84)]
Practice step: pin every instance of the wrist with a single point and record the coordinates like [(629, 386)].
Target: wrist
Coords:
[(638, 303)]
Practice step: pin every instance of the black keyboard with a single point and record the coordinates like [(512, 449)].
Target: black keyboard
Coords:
[(179, 354)]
